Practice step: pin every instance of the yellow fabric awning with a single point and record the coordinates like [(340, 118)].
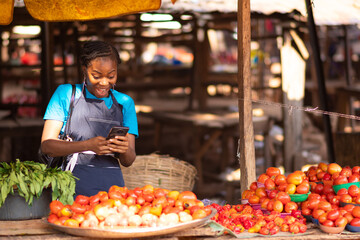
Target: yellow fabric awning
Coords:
[(77, 10), (7, 9)]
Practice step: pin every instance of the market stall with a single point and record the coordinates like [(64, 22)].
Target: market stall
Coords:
[(280, 217)]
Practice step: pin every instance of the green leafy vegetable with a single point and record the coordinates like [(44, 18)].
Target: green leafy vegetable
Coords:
[(29, 179)]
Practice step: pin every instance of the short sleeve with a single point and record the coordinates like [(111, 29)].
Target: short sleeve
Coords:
[(59, 103), (129, 112)]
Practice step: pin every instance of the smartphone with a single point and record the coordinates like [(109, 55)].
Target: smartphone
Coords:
[(117, 131)]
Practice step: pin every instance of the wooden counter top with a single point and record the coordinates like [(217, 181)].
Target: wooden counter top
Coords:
[(38, 229)]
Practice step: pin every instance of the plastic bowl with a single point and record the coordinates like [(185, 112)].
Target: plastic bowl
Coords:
[(345, 185), (299, 197), (308, 218), (352, 228), (343, 204), (332, 230), (315, 221)]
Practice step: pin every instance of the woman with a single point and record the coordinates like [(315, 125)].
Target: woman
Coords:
[(97, 108)]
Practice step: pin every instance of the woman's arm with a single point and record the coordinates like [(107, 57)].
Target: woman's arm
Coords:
[(51, 145)]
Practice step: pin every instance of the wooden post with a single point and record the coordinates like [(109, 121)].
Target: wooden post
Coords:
[(321, 80), (246, 129), (47, 66)]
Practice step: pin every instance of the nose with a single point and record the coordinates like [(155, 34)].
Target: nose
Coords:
[(104, 81)]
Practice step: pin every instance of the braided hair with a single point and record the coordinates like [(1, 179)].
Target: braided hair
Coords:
[(95, 49)]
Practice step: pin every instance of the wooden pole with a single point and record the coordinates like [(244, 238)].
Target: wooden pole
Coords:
[(321, 80), (246, 129)]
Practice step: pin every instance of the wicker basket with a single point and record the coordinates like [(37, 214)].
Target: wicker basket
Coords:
[(160, 171)]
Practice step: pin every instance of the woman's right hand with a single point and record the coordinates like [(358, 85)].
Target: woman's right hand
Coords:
[(98, 145)]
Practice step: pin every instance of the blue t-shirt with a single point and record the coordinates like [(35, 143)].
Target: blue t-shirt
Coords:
[(58, 107)]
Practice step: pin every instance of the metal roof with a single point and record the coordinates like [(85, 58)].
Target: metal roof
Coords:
[(326, 12)]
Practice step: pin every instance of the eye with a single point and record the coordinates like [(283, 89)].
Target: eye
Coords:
[(96, 77)]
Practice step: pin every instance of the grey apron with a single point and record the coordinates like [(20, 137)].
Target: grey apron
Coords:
[(91, 118)]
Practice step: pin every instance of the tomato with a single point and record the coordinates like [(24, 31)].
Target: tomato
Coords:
[(262, 178), (346, 171), (357, 199), (138, 191), (290, 206), (253, 186), (294, 178), (320, 175), (294, 228), (159, 192), (156, 210), (63, 219), (163, 202), (282, 187), (269, 184), (323, 166), (302, 228), (290, 188), (278, 206), (356, 212), (272, 194), (340, 180), (349, 217), (52, 218), (78, 217), (186, 195), (333, 215), (356, 169), (317, 213), (115, 194), (148, 189), (340, 222), (199, 213), (354, 190), (95, 199), (78, 208), (313, 203), (130, 201), (149, 197), (65, 211), (81, 199), (355, 222), (103, 196), (334, 168), (305, 211), (280, 179), (324, 205), (272, 171), (303, 188), (346, 198), (265, 203), (342, 191), (71, 223), (173, 194), (131, 193), (328, 223), (283, 197), (318, 188), (171, 201), (261, 192), (56, 206), (270, 205), (254, 199), (144, 209), (354, 178)]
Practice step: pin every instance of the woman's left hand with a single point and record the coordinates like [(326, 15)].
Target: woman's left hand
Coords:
[(119, 144)]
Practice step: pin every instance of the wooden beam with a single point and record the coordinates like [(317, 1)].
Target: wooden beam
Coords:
[(321, 81), (246, 129)]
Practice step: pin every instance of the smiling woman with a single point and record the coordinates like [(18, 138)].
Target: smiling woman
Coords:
[(97, 108)]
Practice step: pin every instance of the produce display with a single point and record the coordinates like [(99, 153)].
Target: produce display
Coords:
[(123, 207), (326, 194)]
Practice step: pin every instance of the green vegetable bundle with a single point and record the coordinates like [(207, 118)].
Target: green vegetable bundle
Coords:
[(29, 179)]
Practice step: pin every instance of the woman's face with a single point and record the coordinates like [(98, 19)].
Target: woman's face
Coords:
[(101, 76)]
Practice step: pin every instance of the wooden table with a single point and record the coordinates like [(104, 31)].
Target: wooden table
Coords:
[(205, 128), (37, 229), (198, 124)]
